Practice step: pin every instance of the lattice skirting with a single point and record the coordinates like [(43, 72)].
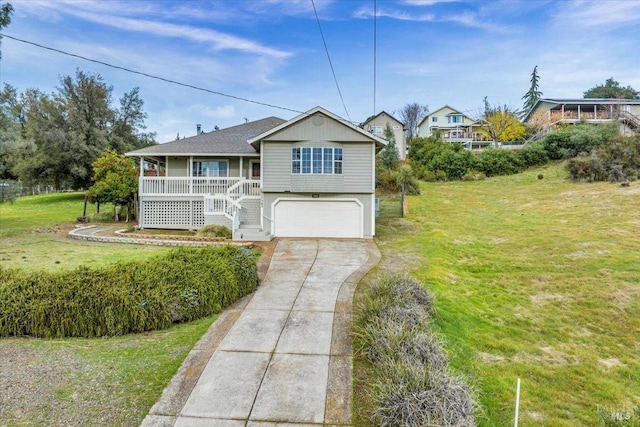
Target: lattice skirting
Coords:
[(184, 214)]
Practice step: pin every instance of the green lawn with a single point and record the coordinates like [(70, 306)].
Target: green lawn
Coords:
[(30, 239), (536, 279)]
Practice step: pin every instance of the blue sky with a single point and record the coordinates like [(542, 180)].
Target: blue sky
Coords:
[(434, 52)]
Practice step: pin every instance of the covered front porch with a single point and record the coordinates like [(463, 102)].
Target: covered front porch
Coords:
[(191, 192)]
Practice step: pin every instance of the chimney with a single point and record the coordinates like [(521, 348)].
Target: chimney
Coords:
[(198, 129)]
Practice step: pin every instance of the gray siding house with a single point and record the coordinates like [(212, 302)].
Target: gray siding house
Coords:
[(547, 113), (311, 176)]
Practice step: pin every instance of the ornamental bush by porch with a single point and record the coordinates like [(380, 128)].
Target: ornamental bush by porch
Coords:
[(183, 285)]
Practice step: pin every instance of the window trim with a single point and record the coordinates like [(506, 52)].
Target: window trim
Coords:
[(312, 160), (193, 165)]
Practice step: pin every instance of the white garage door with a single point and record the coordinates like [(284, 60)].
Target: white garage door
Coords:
[(318, 218)]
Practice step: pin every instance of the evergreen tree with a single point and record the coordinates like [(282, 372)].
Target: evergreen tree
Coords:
[(531, 97), (389, 154)]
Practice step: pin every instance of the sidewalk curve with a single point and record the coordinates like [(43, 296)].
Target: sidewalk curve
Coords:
[(281, 355)]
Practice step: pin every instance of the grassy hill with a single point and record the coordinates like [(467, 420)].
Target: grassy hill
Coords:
[(534, 278)]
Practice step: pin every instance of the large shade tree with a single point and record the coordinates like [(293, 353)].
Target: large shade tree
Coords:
[(63, 133), (612, 89)]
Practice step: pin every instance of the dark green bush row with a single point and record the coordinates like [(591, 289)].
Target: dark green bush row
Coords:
[(573, 140), (435, 160), (618, 160), (410, 384), (183, 285)]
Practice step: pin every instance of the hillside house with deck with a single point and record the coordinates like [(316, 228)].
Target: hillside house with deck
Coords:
[(311, 176)]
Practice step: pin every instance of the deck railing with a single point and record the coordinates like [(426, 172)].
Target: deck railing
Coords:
[(186, 186)]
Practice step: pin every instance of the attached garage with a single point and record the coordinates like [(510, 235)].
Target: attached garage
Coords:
[(318, 218)]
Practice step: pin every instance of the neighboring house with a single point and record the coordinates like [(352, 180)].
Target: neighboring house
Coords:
[(311, 176), (548, 112), (377, 124), (453, 126)]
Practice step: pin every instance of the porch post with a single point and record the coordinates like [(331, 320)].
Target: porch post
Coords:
[(595, 111), (241, 166), (579, 111), (166, 166), (190, 174), (140, 189)]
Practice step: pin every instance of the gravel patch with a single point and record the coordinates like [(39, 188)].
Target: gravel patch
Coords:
[(41, 384)]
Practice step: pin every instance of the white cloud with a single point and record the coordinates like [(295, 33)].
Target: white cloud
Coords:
[(101, 14), (591, 13), (217, 40), (367, 12)]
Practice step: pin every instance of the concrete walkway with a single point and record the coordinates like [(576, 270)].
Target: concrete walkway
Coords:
[(282, 355)]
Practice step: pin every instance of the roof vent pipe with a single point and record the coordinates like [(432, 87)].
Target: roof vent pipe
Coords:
[(198, 129)]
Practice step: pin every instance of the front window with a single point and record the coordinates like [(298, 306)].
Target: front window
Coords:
[(455, 119), (210, 168), (434, 119), (376, 129), (316, 160)]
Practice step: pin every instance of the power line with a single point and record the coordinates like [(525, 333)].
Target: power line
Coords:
[(329, 58), (375, 53), (151, 76)]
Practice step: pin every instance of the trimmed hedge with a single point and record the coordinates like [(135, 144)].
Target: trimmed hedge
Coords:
[(183, 285)]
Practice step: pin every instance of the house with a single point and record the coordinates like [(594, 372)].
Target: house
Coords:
[(451, 126), (548, 112), (378, 123), (311, 176)]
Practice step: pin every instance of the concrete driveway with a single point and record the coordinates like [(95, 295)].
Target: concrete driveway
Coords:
[(281, 355)]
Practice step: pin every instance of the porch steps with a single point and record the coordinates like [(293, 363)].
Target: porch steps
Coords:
[(252, 233)]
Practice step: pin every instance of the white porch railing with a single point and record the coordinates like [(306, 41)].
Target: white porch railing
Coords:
[(228, 204), (186, 186)]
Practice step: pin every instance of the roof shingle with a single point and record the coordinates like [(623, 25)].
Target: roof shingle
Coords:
[(232, 140)]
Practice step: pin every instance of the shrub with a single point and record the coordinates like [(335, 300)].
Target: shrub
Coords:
[(404, 176), (183, 285), (618, 160), (214, 230), (586, 168), (570, 141), (497, 161), (453, 160), (410, 383), (533, 154), (10, 190), (446, 161)]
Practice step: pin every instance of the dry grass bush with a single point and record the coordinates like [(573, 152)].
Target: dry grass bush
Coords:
[(411, 384), (214, 230)]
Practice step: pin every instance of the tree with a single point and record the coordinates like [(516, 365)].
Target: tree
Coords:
[(63, 133), (501, 123), (115, 180), (126, 132), (389, 154), (612, 89), (5, 19), (410, 115), (531, 97)]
